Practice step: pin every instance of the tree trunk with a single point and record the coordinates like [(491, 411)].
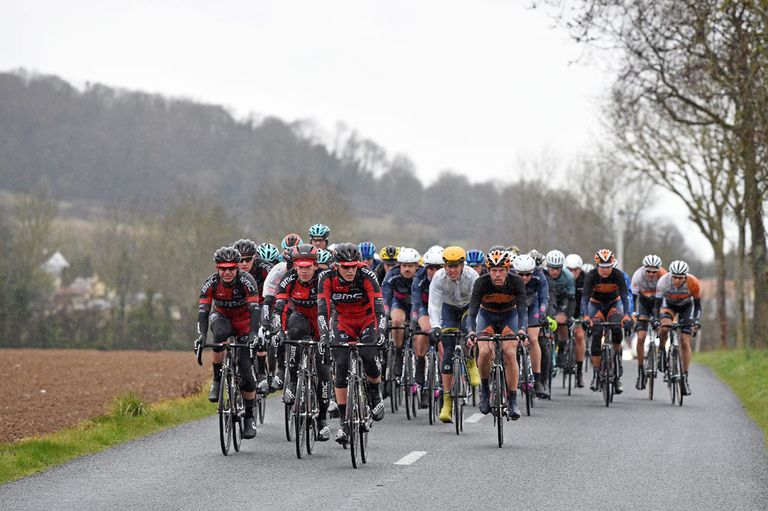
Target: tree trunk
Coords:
[(722, 313), (742, 328)]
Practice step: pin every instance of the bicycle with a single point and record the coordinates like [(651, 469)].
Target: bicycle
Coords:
[(460, 387), (649, 365), (568, 357), (391, 382), (408, 382), (548, 355), (498, 383), (267, 344), (305, 405), (432, 380), (359, 418), (290, 419), (231, 409), (610, 363), (674, 367), (525, 381)]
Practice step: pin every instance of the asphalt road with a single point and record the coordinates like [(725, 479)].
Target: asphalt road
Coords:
[(571, 453)]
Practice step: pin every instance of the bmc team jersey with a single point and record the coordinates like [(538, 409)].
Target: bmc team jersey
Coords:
[(301, 296), (238, 301), (357, 303), (443, 290)]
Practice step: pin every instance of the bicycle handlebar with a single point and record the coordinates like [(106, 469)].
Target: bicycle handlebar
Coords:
[(301, 342), (353, 344)]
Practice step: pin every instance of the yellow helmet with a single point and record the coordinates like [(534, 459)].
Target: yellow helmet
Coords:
[(389, 253), (454, 254)]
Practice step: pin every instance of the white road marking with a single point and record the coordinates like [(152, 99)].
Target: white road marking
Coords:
[(410, 458), (475, 417)]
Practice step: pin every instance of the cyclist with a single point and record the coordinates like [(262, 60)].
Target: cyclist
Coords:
[(299, 290), (678, 293), (476, 260), (353, 292), (234, 297), (644, 283), (367, 251), (574, 264), (604, 299), (318, 235), (433, 261), (258, 268), (537, 298), (498, 305), (449, 294), (562, 296), (396, 293), (273, 279), (324, 259), (388, 256)]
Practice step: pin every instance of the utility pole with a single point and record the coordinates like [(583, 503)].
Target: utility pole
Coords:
[(620, 238)]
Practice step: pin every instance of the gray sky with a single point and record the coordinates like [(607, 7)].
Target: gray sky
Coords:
[(476, 87)]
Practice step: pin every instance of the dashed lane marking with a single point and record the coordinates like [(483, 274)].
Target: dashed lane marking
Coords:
[(410, 458), (475, 417)]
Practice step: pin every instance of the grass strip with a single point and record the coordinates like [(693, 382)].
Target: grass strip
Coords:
[(746, 372), (130, 419)]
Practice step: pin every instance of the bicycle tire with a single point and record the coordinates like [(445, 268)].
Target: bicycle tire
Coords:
[(225, 437), (672, 377), (236, 405), (456, 391), (289, 423), (650, 369), (363, 418), (605, 375), (499, 384), (261, 407), (408, 382), (681, 379), (431, 386), (352, 425), (527, 383), (312, 415), (299, 416)]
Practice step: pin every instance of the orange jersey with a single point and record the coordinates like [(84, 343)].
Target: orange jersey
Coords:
[(677, 296)]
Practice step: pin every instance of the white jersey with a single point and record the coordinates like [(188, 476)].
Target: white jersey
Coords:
[(273, 279), (444, 290)]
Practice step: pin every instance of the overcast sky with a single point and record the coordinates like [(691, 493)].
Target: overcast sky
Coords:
[(475, 87)]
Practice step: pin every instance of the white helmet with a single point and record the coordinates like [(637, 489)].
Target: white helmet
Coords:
[(434, 256), (555, 259), (652, 261), (586, 267), (573, 261), (408, 255), (524, 263), (678, 268)]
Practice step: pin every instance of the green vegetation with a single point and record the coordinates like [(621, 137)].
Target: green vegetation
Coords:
[(130, 418), (746, 372)]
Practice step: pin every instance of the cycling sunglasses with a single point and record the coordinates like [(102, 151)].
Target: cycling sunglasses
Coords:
[(246, 259), (227, 268)]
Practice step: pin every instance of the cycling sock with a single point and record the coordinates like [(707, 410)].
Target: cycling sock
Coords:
[(261, 364), (484, 383), (249, 407), (511, 396), (421, 363), (536, 377), (578, 367), (342, 413), (217, 371)]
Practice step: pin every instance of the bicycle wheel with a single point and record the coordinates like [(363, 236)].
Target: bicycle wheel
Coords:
[(236, 407), (672, 374), (225, 419), (456, 391), (680, 379), (605, 375), (650, 369), (300, 416), (364, 422), (527, 383), (352, 420), (407, 382), (289, 422), (431, 376), (312, 410), (261, 407), (498, 383)]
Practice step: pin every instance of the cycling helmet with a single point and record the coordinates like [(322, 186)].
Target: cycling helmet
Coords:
[(226, 257), (347, 253), (555, 259), (290, 240), (454, 254), (524, 263), (652, 261), (324, 256), (268, 252), (304, 254), (537, 256), (678, 268), (573, 261), (434, 256), (319, 231), (475, 256), (497, 259), (408, 255), (367, 249), (605, 258), (389, 253), (247, 248), (514, 249), (586, 267)]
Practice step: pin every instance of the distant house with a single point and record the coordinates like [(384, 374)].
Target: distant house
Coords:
[(54, 266)]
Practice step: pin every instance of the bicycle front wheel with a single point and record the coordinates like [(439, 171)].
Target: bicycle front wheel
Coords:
[(261, 407), (431, 376), (456, 390), (408, 384), (236, 407), (650, 369), (225, 419), (352, 420), (605, 376), (680, 380), (498, 383), (300, 415)]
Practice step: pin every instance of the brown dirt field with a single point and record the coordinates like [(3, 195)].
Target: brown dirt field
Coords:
[(42, 391)]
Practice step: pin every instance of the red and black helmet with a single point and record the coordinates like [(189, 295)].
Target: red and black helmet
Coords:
[(304, 255), (347, 253)]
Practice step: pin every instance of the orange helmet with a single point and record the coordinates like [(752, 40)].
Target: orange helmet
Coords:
[(605, 258)]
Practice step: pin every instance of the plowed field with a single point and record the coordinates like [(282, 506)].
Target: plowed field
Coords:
[(45, 390)]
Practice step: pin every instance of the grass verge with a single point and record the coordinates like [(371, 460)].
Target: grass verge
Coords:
[(746, 372), (130, 418)]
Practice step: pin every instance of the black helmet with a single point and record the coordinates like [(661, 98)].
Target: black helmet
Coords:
[(304, 251), (347, 253), (247, 248), (226, 255)]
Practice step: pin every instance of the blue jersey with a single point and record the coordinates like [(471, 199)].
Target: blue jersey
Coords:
[(630, 300), (419, 294), (396, 288)]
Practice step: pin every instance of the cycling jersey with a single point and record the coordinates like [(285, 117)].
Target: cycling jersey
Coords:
[(302, 298), (669, 296), (259, 271), (237, 301), (396, 290), (643, 284), (271, 282), (507, 299), (562, 293), (537, 296), (419, 295), (358, 303), (630, 301), (444, 291), (579, 284), (604, 291)]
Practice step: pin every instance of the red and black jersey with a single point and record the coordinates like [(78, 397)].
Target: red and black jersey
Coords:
[(359, 299), (300, 296), (238, 300), (259, 272)]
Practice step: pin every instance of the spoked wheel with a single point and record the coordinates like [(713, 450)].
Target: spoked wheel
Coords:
[(457, 392), (680, 379), (363, 414), (312, 412), (671, 376), (408, 383), (236, 405), (498, 384), (650, 369), (300, 417), (392, 389), (353, 422), (225, 418), (289, 422), (605, 376), (261, 407), (431, 389)]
